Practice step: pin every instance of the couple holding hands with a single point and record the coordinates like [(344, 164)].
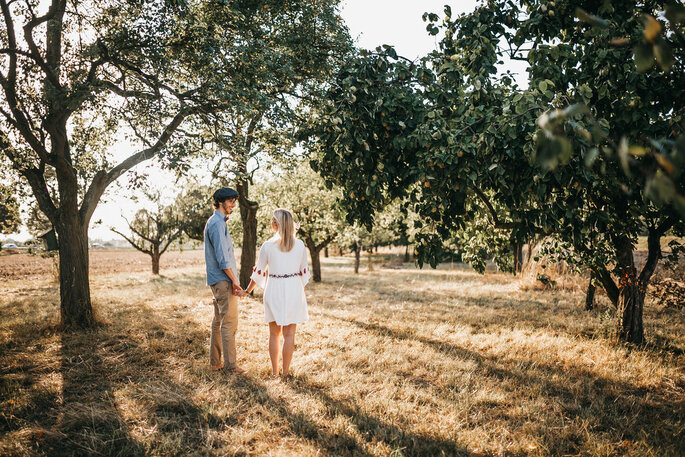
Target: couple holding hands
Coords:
[(281, 271)]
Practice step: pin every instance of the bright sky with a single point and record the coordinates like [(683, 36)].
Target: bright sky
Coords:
[(371, 23)]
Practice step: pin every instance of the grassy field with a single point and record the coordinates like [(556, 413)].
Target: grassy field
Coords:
[(394, 361)]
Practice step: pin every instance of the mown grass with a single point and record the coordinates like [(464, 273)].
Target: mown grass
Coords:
[(392, 362)]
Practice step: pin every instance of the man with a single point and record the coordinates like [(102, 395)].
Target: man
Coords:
[(221, 278)]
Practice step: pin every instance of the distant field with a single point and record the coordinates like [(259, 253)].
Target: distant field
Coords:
[(25, 266), (394, 361)]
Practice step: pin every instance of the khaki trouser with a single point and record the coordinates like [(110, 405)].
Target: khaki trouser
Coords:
[(224, 325)]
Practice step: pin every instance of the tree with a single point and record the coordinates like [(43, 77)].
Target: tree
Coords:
[(9, 211), (146, 68), (194, 206), (153, 231), (604, 203), (317, 211), (452, 125), (262, 128)]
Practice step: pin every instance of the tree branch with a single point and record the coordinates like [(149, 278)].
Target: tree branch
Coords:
[(493, 213), (35, 178), (325, 242), (608, 283), (103, 179), (654, 249), (170, 240), (131, 242), (142, 235), (57, 7)]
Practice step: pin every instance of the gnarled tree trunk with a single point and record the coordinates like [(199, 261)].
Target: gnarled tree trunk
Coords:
[(314, 252), (590, 294), (248, 216), (316, 261), (155, 259), (357, 256), (75, 306), (518, 256), (631, 301)]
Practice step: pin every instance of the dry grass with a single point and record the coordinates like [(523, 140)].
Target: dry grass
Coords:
[(392, 362)]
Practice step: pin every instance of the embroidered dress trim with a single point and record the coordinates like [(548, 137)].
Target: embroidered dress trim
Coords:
[(263, 273), (286, 276)]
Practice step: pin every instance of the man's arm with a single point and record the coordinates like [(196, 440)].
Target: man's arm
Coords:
[(216, 234), (237, 290)]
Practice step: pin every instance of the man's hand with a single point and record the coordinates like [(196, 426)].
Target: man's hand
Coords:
[(237, 290)]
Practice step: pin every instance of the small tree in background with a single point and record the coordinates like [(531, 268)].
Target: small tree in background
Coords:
[(315, 207), (193, 207), (153, 231)]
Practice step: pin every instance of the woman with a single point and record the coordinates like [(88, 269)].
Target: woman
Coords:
[(282, 271)]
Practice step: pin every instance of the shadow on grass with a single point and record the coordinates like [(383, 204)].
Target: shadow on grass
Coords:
[(621, 411), (299, 424), (119, 397), (88, 419), (375, 429), (81, 414)]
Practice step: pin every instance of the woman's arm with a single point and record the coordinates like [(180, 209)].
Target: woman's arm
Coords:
[(250, 286)]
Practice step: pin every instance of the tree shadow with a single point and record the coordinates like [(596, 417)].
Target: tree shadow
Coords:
[(81, 414), (327, 442), (87, 418), (620, 410), (374, 429)]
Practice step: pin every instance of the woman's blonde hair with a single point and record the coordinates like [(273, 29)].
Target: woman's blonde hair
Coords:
[(286, 228)]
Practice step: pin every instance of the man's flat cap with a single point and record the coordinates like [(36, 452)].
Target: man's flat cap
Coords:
[(225, 193)]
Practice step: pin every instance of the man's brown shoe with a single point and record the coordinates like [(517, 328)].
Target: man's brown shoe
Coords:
[(236, 369), (217, 367)]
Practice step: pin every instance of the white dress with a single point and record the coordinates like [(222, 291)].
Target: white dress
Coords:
[(283, 276)]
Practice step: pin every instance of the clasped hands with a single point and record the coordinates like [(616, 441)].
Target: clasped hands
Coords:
[(239, 291)]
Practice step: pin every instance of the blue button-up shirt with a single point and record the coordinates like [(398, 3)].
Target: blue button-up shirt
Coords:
[(219, 252)]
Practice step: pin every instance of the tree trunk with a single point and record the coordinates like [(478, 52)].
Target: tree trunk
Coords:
[(630, 297), (631, 301), (357, 255), (316, 263), (406, 254), (530, 251), (75, 307), (248, 216), (325, 252), (590, 295), (518, 256), (341, 251), (155, 260)]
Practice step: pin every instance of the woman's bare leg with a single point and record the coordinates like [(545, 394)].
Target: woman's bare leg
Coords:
[(274, 337), (288, 346)]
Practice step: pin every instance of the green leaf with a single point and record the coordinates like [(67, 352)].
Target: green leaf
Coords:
[(679, 203), (644, 57), (595, 21), (660, 188), (577, 108), (637, 151), (542, 86), (675, 13), (652, 28), (590, 157), (664, 55)]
